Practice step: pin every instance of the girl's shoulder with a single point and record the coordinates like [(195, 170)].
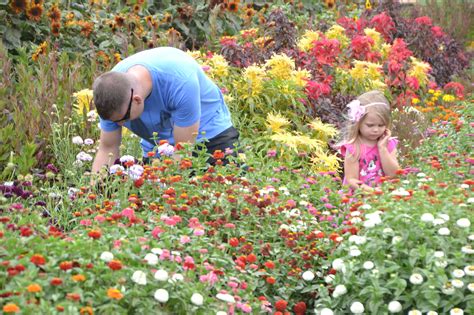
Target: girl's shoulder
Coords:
[(345, 147)]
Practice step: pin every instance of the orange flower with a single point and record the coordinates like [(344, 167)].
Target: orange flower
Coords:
[(11, 308), (73, 296), (94, 234), (60, 308), (56, 281), (34, 12), (34, 288), (55, 27), (86, 311), (79, 278), (54, 13), (114, 294), (115, 264), (18, 6)]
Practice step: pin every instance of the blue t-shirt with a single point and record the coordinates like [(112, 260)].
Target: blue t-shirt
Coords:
[(181, 95)]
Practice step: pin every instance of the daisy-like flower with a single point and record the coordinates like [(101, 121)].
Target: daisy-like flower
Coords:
[(432, 313), (458, 273), (139, 277), (456, 311), (225, 297), (444, 231), (427, 217), (354, 251), (457, 283), (470, 287), (161, 275), (463, 223), (324, 311), (166, 149), (135, 171), (448, 288), (338, 264), (415, 312), (339, 290), (83, 156), (77, 140), (357, 308), (467, 249), (394, 307), (151, 259), (368, 265), (469, 270), (308, 275), (116, 168), (197, 299), (276, 122), (161, 295), (106, 256), (438, 254), (416, 278)]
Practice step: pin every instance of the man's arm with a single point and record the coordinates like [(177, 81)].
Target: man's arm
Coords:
[(109, 149), (185, 134)]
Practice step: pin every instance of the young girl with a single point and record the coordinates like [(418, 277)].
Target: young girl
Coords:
[(369, 150)]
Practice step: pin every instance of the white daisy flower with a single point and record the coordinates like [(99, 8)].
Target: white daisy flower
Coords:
[(457, 283), (463, 223), (456, 311), (308, 275), (357, 308), (77, 140), (325, 311), (339, 290), (368, 265), (416, 278), (394, 307), (139, 277), (414, 312), (469, 270), (151, 259), (458, 273), (427, 217), (439, 254), (338, 264), (161, 275), (197, 299), (106, 256), (467, 249), (161, 295), (470, 287), (225, 297), (444, 231)]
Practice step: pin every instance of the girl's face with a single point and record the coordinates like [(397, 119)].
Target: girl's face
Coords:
[(372, 127)]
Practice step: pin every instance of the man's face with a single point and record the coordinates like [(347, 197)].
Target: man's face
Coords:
[(127, 114)]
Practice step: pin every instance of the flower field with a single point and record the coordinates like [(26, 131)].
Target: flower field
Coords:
[(272, 232)]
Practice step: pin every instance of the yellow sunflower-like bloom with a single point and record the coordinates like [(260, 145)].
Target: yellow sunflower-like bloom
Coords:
[(419, 70), (358, 71), (254, 76), (276, 122), (296, 142), (372, 33), (83, 101), (448, 98), (338, 32), (306, 41), (325, 131), (280, 66), (301, 77), (196, 54)]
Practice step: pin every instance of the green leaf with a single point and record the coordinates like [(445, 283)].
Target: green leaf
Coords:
[(12, 38)]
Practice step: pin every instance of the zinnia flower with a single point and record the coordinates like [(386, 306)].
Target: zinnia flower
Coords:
[(161, 295), (197, 299), (114, 294)]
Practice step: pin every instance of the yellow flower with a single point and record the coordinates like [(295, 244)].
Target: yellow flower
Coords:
[(253, 76), (114, 294), (196, 54), (306, 41), (368, 5), (297, 141), (372, 33), (79, 278), (83, 101), (419, 70), (415, 101), (323, 162), (325, 131), (358, 71), (276, 122), (260, 42), (219, 66), (301, 77), (385, 50), (448, 98), (228, 99), (376, 85), (431, 91), (280, 66), (373, 70), (338, 32)]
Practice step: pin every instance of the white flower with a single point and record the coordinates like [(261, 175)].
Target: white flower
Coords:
[(444, 216), (157, 251), (161, 275), (151, 259), (441, 263), (394, 307), (458, 273), (339, 290), (448, 289), (197, 299), (365, 207), (221, 313), (457, 283), (471, 237), (127, 158), (467, 249), (354, 252), (470, 200), (106, 256), (432, 313), (308, 275), (135, 171), (439, 254), (329, 278), (414, 312), (387, 231), (161, 295), (355, 213), (358, 240), (464, 186), (427, 217), (470, 286), (444, 231), (88, 141), (115, 168), (357, 308), (83, 156), (166, 149), (225, 297), (463, 223), (177, 277), (421, 175), (438, 221), (139, 277), (375, 216), (338, 264), (401, 192), (368, 265), (396, 239), (325, 311), (456, 311), (416, 278), (77, 140), (469, 270)]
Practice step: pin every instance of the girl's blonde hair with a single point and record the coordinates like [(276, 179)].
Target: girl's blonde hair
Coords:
[(372, 102)]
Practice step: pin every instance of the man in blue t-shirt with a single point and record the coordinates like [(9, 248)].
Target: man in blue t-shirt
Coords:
[(164, 91)]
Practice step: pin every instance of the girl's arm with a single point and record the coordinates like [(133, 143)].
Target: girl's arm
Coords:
[(351, 172), (387, 159)]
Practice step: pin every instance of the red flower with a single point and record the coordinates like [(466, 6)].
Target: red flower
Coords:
[(218, 154), (271, 280), (269, 264), (38, 259), (424, 20), (251, 258), (361, 47), (234, 242), (383, 24), (326, 51), (56, 281), (315, 89), (281, 305), (115, 264), (66, 265), (94, 234), (299, 308)]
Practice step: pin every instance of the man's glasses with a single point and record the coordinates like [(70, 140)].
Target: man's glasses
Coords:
[(127, 114)]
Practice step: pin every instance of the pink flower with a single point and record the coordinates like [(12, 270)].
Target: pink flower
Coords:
[(198, 232), (194, 223), (157, 231), (229, 225), (203, 251), (271, 153), (185, 239), (86, 222), (233, 284), (99, 218), (424, 20), (129, 213), (117, 243), (437, 31)]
